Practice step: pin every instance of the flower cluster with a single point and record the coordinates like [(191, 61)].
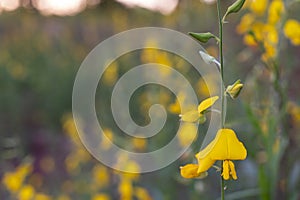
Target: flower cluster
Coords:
[(261, 23)]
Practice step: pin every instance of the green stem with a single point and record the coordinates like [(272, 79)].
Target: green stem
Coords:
[(222, 85), (222, 188), (221, 62)]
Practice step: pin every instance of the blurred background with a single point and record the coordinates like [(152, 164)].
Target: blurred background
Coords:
[(42, 44)]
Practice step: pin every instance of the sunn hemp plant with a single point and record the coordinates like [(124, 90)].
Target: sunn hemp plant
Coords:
[(225, 147)]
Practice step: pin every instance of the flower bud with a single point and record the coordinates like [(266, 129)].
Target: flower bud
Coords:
[(203, 37), (234, 89), (235, 7)]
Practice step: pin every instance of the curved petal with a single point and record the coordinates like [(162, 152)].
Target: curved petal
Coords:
[(189, 171), (204, 164), (205, 104), (191, 116), (225, 146)]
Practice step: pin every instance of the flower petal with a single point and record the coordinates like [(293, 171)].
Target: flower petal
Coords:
[(204, 164), (236, 149), (225, 146), (205, 104), (191, 116), (190, 171)]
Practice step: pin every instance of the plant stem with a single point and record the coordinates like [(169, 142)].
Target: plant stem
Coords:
[(222, 85), (222, 188), (221, 63)]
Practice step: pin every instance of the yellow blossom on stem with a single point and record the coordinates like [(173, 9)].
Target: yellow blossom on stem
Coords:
[(234, 89), (226, 147), (194, 115)]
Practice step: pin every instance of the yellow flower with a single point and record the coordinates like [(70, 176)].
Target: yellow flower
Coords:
[(245, 24), (234, 89), (270, 34), (26, 192), (175, 107), (125, 189), (139, 143), (101, 197), (107, 139), (258, 6), (292, 31), (249, 40), (110, 75), (142, 194), (187, 134), (41, 196), (256, 36), (276, 10), (194, 115), (100, 175), (14, 180), (226, 147)]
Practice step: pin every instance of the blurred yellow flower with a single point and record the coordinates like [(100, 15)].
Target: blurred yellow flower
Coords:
[(63, 197), (292, 31), (130, 167), (111, 74), (100, 197), (72, 164), (175, 107), (139, 143), (106, 142), (14, 180), (26, 192), (276, 9), (226, 147), (270, 34), (187, 134), (125, 189), (100, 175), (294, 110), (245, 23), (249, 40), (142, 194), (41, 196), (70, 129), (270, 52), (258, 6), (194, 115)]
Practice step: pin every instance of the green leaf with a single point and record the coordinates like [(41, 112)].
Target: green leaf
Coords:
[(234, 8), (203, 37)]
